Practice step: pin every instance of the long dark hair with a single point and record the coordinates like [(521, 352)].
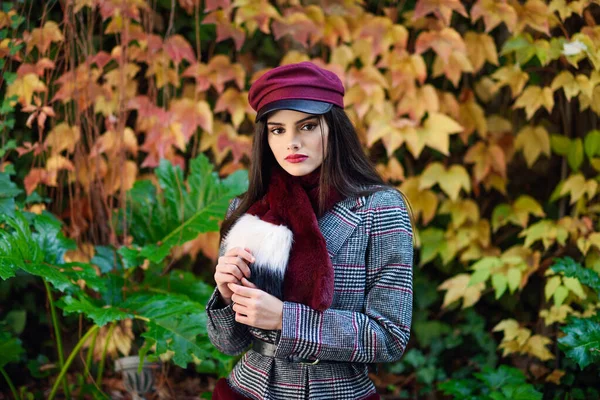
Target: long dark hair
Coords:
[(345, 166)]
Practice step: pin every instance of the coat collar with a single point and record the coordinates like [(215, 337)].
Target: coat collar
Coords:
[(340, 222)]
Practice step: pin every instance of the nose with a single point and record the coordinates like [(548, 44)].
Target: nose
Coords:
[(294, 144)]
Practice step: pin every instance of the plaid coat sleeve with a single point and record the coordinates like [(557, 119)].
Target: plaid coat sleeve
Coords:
[(379, 333), (225, 333)]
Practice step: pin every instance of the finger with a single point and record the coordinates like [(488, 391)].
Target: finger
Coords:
[(249, 284), (244, 301), (246, 291), (240, 308), (242, 318), (244, 253), (222, 278), (239, 262), (234, 270)]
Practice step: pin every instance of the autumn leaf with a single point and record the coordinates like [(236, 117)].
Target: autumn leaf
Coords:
[(418, 101), (179, 49), (458, 287), (450, 180), (513, 76), (225, 28), (43, 37), (297, 25), (63, 137), (461, 211), (443, 43), (453, 69), (535, 97), (191, 115), (534, 13), (494, 12), (392, 171), (547, 231), (567, 82), (255, 15), (471, 117), (480, 48), (533, 141), (486, 159), (440, 8), (110, 142), (576, 185), (435, 133), (424, 203), (236, 104), (565, 9), (516, 213), (24, 87), (403, 66), (224, 140)]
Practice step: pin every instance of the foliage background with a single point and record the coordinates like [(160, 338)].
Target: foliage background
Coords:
[(484, 113)]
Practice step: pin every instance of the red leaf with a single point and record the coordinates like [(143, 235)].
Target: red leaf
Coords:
[(178, 49)]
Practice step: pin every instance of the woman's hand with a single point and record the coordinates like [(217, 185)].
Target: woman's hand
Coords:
[(255, 307), (231, 268)]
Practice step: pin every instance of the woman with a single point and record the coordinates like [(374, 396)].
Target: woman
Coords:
[(315, 270)]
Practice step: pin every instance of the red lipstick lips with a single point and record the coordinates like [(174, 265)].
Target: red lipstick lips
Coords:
[(296, 158)]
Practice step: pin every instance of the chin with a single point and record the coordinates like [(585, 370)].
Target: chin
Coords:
[(299, 170)]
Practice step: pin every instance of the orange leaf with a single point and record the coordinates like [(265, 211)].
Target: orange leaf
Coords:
[(443, 43), (298, 25), (494, 12), (191, 115), (418, 101), (454, 68), (225, 139), (403, 66), (472, 118), (256, 15), (236, 104), (43, 37), (534, 13), (179, 49), (225, 28), (486, 159), (207, 243), (441, 8), (513, 76), (393, 171)]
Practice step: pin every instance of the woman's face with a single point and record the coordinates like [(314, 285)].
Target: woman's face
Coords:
[(297, 140)]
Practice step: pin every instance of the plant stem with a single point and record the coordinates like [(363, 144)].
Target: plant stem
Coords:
[(88, 359), (104, 350), (78, 346), (12, 387), (61, 357)]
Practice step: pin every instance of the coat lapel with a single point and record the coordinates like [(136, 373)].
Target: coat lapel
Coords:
[(339, 223)]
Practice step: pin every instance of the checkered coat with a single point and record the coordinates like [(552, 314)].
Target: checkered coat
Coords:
[(369, 240)]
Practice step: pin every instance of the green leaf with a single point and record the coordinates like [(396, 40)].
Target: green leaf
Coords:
[(560, 294), (88, 307), (9, 78), (429, 331), (431, 241), (10, 145), (500, 284), (459, 388), (560, 144), (10, 349), (105, 258), (8, 192), (175, 324), (572, 269), (582, 340), (16, 319), (521, 392), (592, 143), (182, 283), (183, 209), (497, 378), (514, 279), (575, 154)]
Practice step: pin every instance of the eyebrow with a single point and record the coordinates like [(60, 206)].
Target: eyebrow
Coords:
[(297, 122)]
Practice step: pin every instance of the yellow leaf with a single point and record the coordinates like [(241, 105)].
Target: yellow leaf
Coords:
[(524, 206), (342, 56), (574, 286), (63, 137), (494, 12), (533, 141), (24, 87), (453, 69), (480, 48), (417, 102), (567, 82), (461, 211), (472, 118), (509, 327), (435, 133), (556, 314), (79, 4), (536, 346), (577, 186), (56, 163), (450, 181), (551, 285), (423, 202), (458, 287), (513, 76), (535, 14), (535, 97)]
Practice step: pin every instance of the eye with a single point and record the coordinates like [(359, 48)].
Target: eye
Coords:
[(277, 131), (309, 127)]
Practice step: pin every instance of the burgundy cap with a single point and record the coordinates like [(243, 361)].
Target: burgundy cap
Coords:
[(301, 87)]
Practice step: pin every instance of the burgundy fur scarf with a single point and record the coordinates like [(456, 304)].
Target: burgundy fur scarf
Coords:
[(282, 232)]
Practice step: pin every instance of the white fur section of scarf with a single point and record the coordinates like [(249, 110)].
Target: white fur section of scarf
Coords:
[(270, 245)]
